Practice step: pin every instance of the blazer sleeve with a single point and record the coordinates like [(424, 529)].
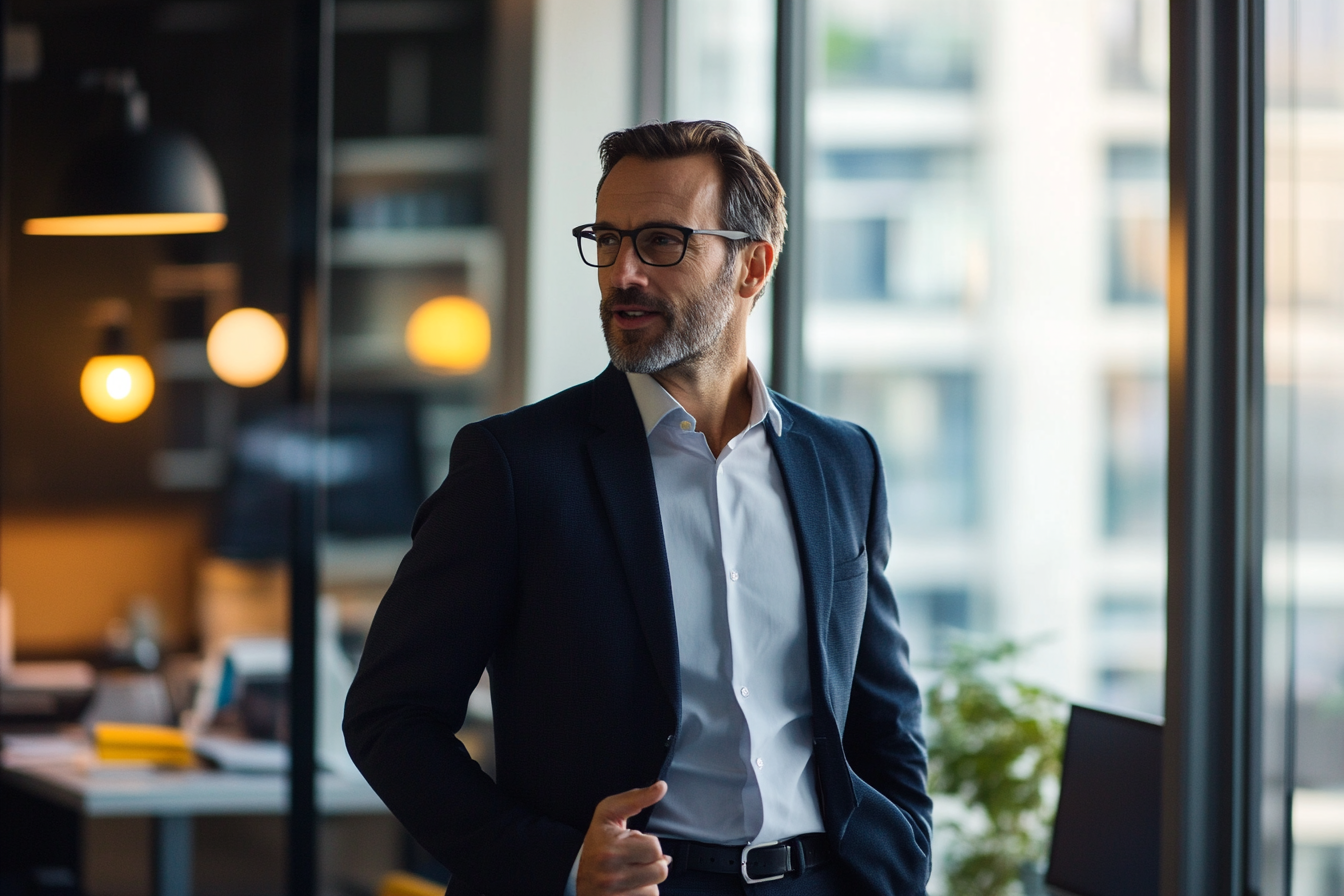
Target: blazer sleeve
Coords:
[(883, 740), (432, 636)]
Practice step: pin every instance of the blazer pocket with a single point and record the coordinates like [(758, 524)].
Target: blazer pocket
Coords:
[(851, 569)]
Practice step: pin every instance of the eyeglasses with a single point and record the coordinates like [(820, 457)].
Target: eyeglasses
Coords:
[(657, 245)]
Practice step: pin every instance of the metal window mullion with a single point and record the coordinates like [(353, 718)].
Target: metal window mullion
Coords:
[(791, 165), (652, 66), (1214, 503), (309, 220)]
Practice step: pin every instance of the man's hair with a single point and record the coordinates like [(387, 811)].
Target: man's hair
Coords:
[(753, 199)]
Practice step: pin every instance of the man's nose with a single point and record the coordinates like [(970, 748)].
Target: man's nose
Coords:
[(627, 270)]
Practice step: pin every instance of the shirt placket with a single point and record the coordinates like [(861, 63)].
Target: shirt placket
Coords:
[(730, 541)]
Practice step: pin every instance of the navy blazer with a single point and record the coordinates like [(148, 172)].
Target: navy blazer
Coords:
[(541, 556)]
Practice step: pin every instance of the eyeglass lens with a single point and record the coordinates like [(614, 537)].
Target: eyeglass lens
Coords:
[(654, 245)]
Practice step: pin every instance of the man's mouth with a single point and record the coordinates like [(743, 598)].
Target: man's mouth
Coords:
[(632, 317)]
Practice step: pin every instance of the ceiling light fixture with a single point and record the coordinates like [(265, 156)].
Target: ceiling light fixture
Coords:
[(450, 334), (135, 179), (246, 347), (116, 385)]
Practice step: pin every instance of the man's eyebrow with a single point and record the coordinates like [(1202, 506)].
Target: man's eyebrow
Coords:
[(606, 225)]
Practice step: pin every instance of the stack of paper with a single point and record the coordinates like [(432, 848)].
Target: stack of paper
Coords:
[(41, 749), (235, 755), (158, 744)]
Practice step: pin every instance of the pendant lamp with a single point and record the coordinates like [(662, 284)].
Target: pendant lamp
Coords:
[(135, 178), (116, 385), (449, 335)]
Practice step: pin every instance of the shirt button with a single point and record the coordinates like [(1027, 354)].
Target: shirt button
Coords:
[(746, 693), (760, 763), (732, 574), (686, 425)]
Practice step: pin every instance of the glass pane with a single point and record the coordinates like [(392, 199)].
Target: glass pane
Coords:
[(414, 350), (986, 276), (1303, 807), (146, 546), (721, 65)]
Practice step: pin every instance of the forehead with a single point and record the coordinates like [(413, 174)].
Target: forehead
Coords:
[(684, 191)]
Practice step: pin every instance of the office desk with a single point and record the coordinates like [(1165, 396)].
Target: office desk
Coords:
[(174, 797)]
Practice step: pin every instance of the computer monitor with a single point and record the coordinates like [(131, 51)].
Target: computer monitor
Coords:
[(1107, 826), (370, 469)]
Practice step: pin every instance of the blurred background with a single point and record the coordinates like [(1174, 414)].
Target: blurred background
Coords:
[(985, 268)]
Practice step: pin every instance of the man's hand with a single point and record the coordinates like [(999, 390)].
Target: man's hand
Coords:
[(617, 860)]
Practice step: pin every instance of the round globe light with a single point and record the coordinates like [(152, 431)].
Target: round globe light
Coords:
[(246, 347), (117, 388), (450, 334)]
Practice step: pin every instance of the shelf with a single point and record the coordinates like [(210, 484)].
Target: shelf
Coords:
[(410, 155), (399, 247), (478, 249), (182, 359)]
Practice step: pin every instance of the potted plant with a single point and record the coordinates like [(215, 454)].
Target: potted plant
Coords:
[(995, 744)]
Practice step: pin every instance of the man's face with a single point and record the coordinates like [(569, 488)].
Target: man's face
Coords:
[(660, 317)]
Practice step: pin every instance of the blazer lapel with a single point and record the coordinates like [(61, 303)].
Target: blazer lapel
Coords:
[(800, 467), (624, 473)]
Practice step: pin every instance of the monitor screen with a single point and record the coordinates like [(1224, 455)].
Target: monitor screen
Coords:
[(1107, 826), (367, 463)]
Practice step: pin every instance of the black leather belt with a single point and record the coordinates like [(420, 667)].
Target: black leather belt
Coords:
[(756, 863)]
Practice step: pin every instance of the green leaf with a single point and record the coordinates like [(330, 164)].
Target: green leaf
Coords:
[(995, 744)]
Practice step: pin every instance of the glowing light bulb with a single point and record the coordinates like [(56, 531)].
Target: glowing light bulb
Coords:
[(246, 347), (450, 334), (117, 388), (118, 383)]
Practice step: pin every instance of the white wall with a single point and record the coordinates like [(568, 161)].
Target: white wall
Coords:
[(583, 88)]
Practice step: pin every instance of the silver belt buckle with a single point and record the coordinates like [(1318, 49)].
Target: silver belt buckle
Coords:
[(746, 850)]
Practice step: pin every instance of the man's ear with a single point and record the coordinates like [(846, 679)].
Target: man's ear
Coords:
[(758, 260)]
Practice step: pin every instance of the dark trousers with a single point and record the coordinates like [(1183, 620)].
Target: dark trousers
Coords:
[(825, 880)]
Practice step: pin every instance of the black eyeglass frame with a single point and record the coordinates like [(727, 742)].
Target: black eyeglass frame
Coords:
[(585, 231)]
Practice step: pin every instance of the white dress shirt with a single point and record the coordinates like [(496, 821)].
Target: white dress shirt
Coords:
[(741, 769), (741, 766)]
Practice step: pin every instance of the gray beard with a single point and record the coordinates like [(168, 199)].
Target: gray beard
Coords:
[(687, 335)]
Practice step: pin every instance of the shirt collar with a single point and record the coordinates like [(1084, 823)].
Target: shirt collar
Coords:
[(655, 402)]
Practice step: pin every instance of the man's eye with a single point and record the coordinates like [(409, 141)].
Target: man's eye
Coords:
[(664, 238), (607, 238)]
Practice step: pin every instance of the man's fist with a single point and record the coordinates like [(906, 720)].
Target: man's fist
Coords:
[(616, 860)]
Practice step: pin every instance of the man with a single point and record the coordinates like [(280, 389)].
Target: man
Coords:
[(676, 580)]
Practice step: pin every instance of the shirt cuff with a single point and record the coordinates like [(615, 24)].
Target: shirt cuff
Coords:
[(572, 885)]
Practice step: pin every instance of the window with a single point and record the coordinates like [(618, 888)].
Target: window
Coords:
[(1129, 636), (899, 224), (924, 424), (1303, 637), (900, 43), (986, 229), (986, 239), (1136, 455), (937, 616), (958, 308), (1136, 44), (1137, 229), (723, 65)]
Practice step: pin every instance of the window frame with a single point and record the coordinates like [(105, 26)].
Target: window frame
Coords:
[(1215, 299)]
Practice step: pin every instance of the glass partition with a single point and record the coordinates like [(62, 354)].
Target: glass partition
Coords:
[(1303, 805), (144, 543), (721, 65), (414, 345), (986, 214)]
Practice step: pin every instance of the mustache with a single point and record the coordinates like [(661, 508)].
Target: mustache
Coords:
[(634, 296)]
